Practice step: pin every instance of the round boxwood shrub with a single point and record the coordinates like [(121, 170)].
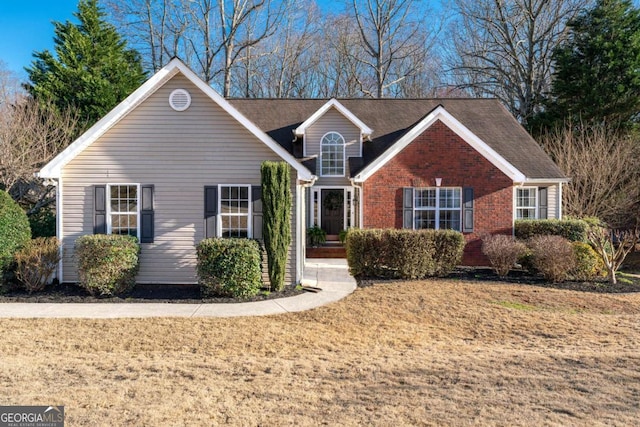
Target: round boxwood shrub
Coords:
[(229, 267), (107, 264), (14, 230), (589, 264)]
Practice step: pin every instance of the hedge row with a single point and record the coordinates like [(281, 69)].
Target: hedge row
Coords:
[(404, 254), (574, 230)]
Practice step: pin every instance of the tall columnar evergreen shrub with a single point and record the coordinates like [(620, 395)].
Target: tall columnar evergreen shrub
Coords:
[(14, 230), (276, 217)]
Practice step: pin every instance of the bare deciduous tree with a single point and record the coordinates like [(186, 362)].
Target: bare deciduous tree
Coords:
[(613, 247), (211, 36), (604, 168), (30, 136), (394, 42), (503, 48), (284, 65)]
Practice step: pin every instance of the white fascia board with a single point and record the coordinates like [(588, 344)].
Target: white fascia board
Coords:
[(542, 181), (364, 129), (53, 168), (439, 113)]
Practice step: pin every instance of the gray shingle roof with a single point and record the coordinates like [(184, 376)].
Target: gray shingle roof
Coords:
[(392, 118)]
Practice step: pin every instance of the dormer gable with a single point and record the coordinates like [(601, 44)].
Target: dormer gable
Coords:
[(365, 130), (332, 118)]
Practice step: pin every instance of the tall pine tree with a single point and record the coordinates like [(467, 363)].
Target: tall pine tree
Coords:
[(92, 69), (597, 70)]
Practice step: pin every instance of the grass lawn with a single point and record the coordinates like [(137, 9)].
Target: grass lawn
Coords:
[(414, 353)]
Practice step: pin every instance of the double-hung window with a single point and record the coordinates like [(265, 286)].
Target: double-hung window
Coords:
[(234, 210), (437, 208), (526, 203), (332, 155), (123, 216)]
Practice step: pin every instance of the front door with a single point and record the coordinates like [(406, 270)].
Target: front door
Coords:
[(332, 208)]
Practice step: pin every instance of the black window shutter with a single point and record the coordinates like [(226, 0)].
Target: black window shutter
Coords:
[(100, 209), (467, 210), (407, 207), (210, 210), (256, 208), (146, 215), (543, 203)]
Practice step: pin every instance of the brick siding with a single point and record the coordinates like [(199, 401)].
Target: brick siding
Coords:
[(439, 152)]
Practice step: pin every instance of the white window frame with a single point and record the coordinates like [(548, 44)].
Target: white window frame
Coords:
[(110, 212), (519, 209), (249, 213), (344, 154), (437, 209)]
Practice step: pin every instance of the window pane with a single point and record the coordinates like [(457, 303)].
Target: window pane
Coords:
[(526, 198), (332, 154), (124, 209), (450, 220), (449, 198), (425, 198), (425, 219)]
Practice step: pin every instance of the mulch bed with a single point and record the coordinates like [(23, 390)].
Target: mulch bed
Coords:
[(186, 294)]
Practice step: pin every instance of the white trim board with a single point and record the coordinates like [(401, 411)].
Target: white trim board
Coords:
[(439, 113), (53, 169), (364, 129)]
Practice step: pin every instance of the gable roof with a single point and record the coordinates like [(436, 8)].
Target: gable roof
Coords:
[(486, 119), (333, 103), (54, 167)]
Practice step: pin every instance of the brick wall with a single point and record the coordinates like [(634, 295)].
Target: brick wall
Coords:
[(439, 152)]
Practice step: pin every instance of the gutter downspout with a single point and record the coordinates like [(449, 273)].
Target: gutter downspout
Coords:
[(360, 201)]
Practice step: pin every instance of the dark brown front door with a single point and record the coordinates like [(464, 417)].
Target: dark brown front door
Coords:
[(332, 211)]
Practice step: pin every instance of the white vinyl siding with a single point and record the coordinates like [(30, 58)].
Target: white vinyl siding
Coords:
[(179, 153), (333, 121)]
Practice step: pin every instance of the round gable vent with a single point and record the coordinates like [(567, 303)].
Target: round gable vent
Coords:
[(180, 100)]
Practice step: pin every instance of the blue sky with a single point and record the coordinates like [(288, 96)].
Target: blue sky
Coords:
[(26, 26)]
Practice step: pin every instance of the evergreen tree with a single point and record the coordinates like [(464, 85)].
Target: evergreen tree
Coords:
[(92, 69), (276, 219), (597, 70)]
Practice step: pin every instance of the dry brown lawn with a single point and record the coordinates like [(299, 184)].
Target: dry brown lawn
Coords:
[(415, 353)]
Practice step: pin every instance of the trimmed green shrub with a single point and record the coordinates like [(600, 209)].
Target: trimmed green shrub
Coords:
[(36, 262), (589, 264), (43, 223), (405, 254), (574, 230), (229, 267), (276, 219), (503, 252), (552, 256), (107, 264), (14, 230)]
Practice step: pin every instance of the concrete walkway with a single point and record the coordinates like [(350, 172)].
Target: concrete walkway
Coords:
[(331, 275)]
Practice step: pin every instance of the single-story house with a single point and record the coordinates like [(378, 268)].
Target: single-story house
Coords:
[(175, 163)]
